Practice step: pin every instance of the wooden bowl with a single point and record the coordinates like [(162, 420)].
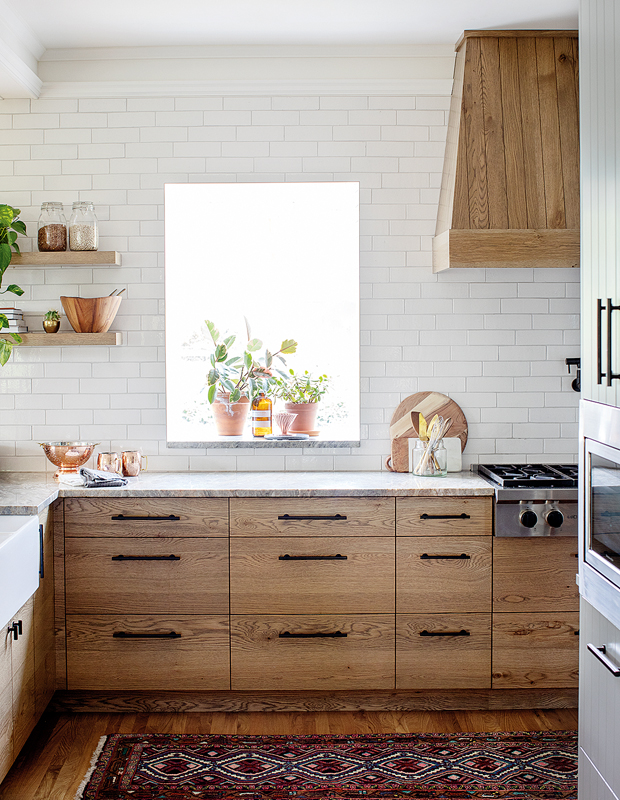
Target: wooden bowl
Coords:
[(91, 314)]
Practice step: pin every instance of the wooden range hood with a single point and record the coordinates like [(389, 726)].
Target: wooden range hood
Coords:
[(510, 185)]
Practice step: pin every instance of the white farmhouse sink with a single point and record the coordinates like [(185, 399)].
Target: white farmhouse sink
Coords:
[(19, 563)]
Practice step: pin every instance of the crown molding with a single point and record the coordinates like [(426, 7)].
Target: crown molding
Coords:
[(383, 87), (19, 53)]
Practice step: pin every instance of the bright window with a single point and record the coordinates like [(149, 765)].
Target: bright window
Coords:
[(286, 257)]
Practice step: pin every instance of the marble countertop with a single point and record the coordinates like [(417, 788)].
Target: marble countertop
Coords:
[(30, 492)]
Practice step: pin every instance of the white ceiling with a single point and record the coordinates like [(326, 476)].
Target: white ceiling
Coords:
[(90, 23)]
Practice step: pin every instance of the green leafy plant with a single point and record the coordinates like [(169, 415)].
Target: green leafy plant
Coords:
[(245, 375), (10, 226), (300, 388), (52, 315)]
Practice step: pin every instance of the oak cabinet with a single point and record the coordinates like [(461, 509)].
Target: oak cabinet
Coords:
[(147, 593)]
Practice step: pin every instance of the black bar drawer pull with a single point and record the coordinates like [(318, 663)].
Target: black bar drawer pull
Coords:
[(461, 557), (125, 635), (123, 518), (445, 633), (290, 517), (16, 629), (41, 554), (600, 654), (445, 516), (337, 557), (171, 557), (320, 635)]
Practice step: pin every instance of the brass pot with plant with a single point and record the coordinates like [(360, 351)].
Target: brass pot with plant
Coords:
[(235, 380), (51, 321), (301, 393), (10, 226)]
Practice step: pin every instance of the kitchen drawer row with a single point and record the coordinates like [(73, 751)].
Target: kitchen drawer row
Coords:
[(318, 593)]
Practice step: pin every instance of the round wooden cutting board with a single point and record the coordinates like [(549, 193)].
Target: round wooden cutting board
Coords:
[(429, 404)]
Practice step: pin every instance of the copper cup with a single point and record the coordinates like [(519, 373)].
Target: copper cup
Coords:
[(132, 463), (109, 462)]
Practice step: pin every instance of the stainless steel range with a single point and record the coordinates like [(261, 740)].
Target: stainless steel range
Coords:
[(533, 499)]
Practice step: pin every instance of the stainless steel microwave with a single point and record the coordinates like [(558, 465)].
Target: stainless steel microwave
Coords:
[(599, 492)]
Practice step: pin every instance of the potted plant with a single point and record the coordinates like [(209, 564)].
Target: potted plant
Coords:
[(10, 226), (234, 381), (301, 393), (51, 321)]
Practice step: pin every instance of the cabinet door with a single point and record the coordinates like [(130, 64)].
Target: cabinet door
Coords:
[(146, 576), (443, 651), (6, 704), (140, 651), (22, 661), (535, 574), (599, 697), (537, 651), (44, 649), (591, 784), (444, 574), (444, 516), (312, 575), (312, 652)]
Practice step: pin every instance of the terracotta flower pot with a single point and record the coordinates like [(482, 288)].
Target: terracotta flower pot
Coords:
[(230, 418), (306, 416)]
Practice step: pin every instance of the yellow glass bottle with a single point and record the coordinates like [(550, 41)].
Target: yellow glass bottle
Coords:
[(261, 412)]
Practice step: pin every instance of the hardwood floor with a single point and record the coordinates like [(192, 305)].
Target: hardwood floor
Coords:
[(57, 755)]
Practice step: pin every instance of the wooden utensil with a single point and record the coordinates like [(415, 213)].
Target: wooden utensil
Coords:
[(405, 421)]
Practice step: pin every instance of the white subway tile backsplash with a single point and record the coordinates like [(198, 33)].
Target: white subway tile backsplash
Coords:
[(495, 340)]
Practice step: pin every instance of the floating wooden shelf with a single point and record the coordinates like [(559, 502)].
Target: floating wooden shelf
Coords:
[(95, 258), (68, 339)]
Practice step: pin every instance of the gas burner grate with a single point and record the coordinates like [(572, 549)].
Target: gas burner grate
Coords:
[(540, 475)]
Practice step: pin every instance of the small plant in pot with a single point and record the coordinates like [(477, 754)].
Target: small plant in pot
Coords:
[(301, 393), (233, 381), (51, 321)]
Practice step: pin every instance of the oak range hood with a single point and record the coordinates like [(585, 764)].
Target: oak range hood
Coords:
[(510, 185)]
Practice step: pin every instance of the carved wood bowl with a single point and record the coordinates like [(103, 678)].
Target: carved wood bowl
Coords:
[(91, 314)]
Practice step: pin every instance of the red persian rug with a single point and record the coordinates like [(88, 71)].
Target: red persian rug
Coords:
[(442, 766)]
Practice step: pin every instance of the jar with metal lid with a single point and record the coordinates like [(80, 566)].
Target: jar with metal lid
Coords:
[(83, 227), (52, 228)]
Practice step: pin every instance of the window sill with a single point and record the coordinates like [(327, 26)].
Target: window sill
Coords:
[(241, 442)]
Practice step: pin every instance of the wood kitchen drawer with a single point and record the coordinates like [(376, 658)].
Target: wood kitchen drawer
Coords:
[(196, 659), (448, 574), (313, 516), (444, 516), (535, 574), (429, 657), (265, 656), (312, 575), (146, 516), (145, 576), (535, 650)]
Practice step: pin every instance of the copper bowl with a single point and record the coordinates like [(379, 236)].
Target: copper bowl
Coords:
[(68, 456)]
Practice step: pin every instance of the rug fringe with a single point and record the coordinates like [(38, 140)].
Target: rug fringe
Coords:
[(91, 769)]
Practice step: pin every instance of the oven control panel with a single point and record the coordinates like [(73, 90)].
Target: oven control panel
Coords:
[(536, 518)]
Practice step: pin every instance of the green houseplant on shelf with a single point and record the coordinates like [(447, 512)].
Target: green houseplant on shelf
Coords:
[(10, 226), (234, 380), (301, 393)]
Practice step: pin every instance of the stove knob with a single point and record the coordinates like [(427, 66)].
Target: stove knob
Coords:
[(555, 518), (528, 519)]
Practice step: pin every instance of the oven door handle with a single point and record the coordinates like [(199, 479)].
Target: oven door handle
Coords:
[(600, 654)]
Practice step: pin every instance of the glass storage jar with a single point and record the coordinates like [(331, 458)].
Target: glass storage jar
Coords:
[(52, 228), (430, 459), (83, 227)]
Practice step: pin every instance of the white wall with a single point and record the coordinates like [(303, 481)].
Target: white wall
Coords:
[(494, 340)]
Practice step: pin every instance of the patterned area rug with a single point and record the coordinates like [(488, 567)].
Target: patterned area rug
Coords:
[(461, 766)]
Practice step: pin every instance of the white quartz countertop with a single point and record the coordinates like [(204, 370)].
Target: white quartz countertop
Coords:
[(30, 492)]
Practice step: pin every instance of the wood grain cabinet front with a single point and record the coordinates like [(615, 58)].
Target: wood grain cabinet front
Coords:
[(109, 576), (312, 575), (156, 652), (444, 516), (312, 652)]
